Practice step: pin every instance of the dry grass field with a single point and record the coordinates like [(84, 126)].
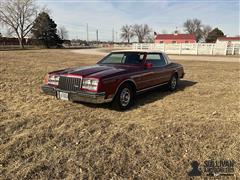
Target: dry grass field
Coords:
[(41, 137)]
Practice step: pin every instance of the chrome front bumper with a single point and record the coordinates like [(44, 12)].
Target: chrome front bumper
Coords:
[(82, 96)]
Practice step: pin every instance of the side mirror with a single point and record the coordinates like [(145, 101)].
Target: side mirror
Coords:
[(148, 65)]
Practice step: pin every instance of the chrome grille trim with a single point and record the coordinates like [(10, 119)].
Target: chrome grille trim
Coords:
[(70, 83)]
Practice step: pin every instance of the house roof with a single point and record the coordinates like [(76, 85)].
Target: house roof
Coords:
[(229, 38), (176, 36)]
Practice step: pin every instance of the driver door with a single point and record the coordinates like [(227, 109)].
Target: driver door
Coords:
[(160, 72)]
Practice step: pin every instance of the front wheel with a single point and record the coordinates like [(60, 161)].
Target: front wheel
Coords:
[(173, 83), (124, 97)]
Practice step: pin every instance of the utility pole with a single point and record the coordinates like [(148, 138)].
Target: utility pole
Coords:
[(116, 36), (97, 35), (113, 35), (87, 32)]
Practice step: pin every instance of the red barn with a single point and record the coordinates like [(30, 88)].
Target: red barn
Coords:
[(175, 38)]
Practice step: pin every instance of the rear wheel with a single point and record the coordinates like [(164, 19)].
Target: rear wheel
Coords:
[(124, 97), (173, 83)]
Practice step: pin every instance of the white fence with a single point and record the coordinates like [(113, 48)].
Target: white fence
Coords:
[(13, 47), (192, 48)]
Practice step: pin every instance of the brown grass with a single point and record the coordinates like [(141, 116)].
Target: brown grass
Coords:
[(41, 137)]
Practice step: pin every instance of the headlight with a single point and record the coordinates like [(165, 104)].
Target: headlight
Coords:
[(90, 84), (53, 79)]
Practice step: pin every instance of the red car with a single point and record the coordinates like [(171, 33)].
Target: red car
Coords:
[(116, 78)]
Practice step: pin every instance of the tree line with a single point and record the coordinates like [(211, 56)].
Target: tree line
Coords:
[(24, 17), (141, 31), (203, 33)]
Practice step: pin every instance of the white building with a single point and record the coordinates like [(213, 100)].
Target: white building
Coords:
[(230, 40)]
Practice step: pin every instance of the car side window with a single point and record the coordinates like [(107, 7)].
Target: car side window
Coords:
[(115, 58), (133, 58), (166, 58), (124, 58), (156, 59)]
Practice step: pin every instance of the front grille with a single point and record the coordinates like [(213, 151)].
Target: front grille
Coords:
[(70, 83)]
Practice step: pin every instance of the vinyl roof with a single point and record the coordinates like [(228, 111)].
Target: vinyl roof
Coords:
[(138, 50)]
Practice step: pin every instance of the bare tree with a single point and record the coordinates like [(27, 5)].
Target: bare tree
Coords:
[(127, 33), (193, 26), (141, 31), (62, 32), (18, 16), (206, 29), (150, 38)]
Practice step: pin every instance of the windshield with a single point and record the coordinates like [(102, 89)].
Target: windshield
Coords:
[(123, 58)]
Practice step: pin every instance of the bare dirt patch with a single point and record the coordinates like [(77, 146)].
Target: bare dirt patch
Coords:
[(41, 137)]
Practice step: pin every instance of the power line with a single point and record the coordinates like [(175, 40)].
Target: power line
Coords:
[(78, 29)]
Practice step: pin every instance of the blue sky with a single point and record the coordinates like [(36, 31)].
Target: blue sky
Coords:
[(159, 14)]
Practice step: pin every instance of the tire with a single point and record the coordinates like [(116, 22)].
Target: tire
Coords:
[(124, 98), (173, 83)]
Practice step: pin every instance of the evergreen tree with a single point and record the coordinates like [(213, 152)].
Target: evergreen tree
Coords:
[(45, 31), (213, 35)]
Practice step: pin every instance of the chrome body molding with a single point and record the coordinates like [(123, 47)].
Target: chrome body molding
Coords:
[(152, 87)]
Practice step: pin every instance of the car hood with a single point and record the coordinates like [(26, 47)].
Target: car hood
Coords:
[(98, 71)]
